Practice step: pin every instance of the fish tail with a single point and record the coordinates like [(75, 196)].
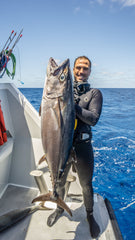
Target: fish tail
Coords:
[(63, 205), (49, 197)]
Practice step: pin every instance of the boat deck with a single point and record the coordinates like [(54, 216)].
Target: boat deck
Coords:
[(34, 226)]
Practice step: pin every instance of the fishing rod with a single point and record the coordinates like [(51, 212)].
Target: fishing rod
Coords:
[(18, 38), (9, 39)]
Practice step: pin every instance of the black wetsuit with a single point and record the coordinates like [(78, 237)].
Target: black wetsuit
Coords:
[(88, 109)]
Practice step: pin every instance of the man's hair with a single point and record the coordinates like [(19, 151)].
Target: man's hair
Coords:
[(81, 58)]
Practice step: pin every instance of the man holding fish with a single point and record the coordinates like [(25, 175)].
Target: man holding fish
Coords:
[(87, 105)]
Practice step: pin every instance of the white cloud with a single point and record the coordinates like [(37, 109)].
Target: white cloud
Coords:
[(77, 9), (91, 2), (125, 3), (100, 1), (94, 64), (120, 73), (128, 3), (104, 73), (105, 78)]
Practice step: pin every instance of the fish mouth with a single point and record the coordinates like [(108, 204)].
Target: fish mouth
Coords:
[(55, 65), (65, 63), (54, 68)]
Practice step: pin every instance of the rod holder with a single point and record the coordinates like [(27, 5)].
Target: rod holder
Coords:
[(38, 176), (70, 178)]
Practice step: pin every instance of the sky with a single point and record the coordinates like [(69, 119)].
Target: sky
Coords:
[(103, 30)]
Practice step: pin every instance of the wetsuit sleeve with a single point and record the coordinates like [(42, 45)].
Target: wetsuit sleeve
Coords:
[(91, 115)]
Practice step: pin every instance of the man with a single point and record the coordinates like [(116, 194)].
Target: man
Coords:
[(88, 105)]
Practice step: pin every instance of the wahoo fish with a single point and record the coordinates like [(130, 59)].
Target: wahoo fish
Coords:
[(57, 124)]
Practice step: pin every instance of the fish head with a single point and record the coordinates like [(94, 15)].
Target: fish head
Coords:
[(58, 80)]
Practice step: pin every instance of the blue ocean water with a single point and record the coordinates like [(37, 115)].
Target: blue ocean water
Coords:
[(114, 151)]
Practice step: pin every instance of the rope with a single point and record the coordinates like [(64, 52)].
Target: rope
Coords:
[(11, 75)]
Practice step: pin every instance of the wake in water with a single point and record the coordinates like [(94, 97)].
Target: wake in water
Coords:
[(128, 205)]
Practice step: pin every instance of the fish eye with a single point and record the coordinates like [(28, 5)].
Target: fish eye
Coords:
[(62, 77)]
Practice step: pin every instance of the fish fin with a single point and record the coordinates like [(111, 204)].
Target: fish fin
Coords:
[(49, 197), (43, 158), (63, 205), (40, 111)]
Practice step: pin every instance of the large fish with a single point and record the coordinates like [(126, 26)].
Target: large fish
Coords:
[(10, 218), (57, 124)]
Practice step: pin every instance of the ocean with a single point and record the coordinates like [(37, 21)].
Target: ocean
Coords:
[(114, 151)]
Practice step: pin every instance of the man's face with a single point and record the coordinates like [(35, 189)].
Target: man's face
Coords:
[(81, 70)]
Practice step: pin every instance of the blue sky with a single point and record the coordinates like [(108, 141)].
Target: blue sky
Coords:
[(103, 30)]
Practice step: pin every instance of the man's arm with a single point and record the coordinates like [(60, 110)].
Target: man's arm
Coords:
[(92, 114)]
